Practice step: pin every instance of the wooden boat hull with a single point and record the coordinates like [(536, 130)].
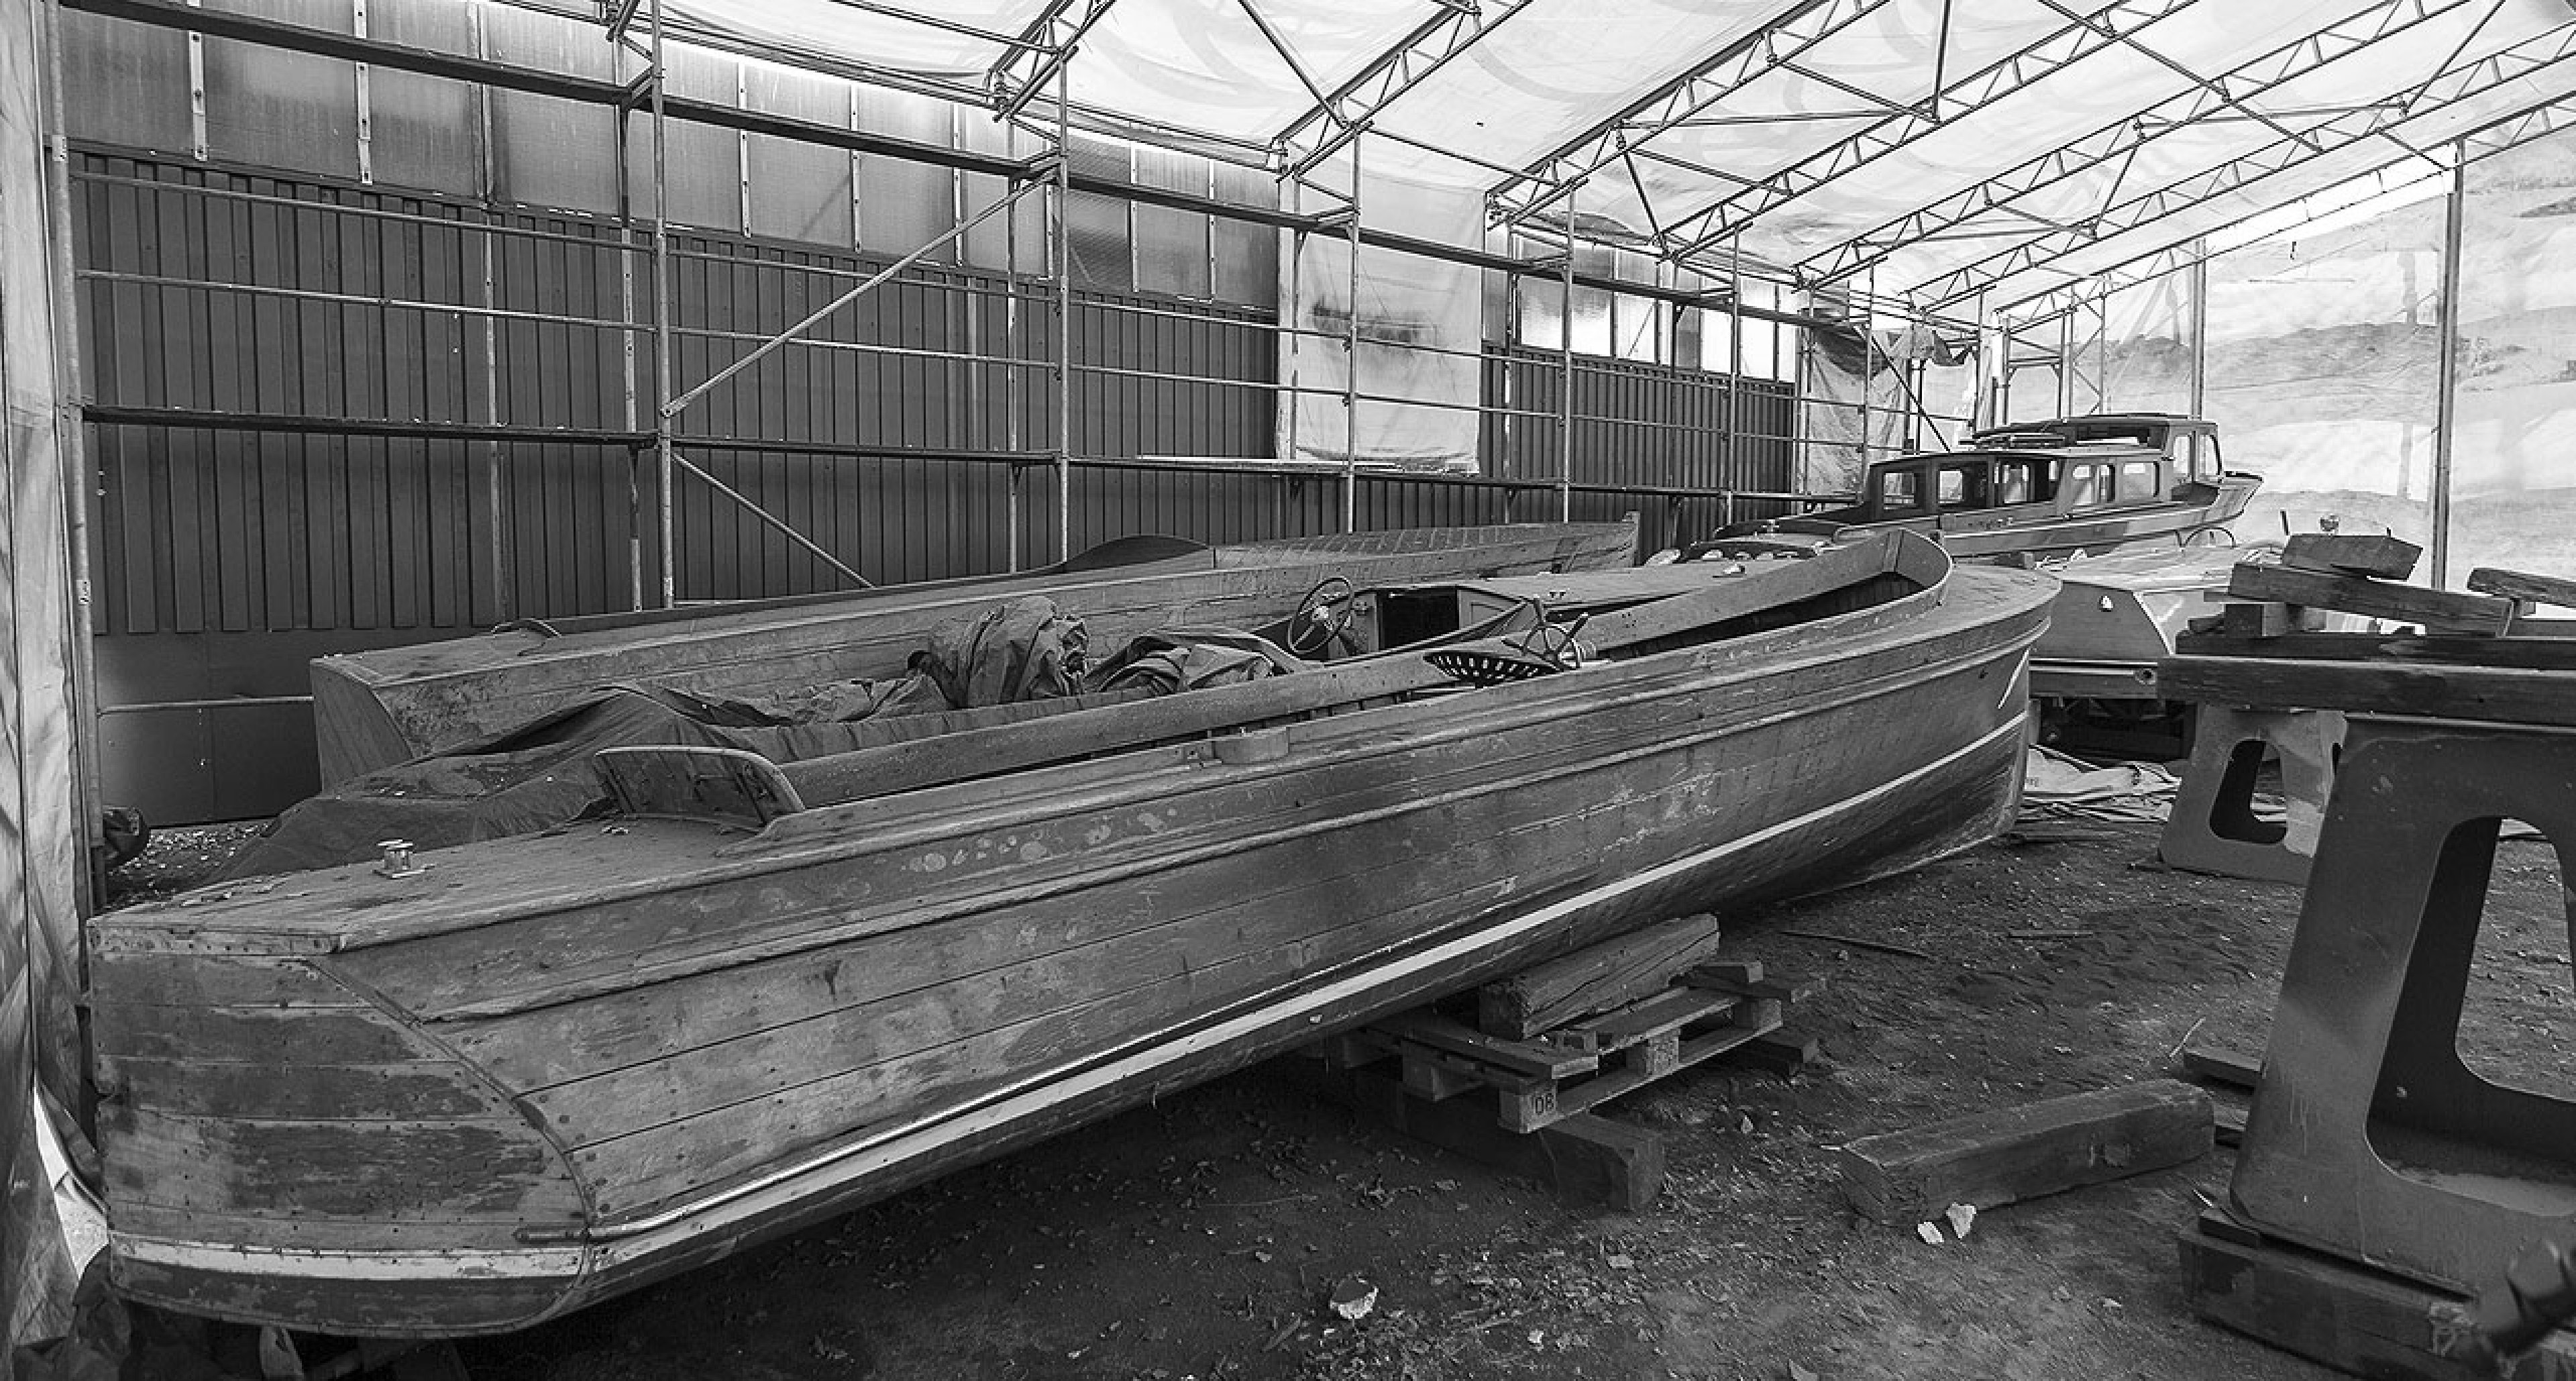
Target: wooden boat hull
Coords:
[(664, 1040), (374, 709), (1975, 535)]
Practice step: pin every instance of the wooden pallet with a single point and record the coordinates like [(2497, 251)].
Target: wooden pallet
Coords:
[(2341, 1313), (1582, 1064)]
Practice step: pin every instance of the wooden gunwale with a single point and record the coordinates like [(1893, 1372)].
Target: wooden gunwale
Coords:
[(830, 833)]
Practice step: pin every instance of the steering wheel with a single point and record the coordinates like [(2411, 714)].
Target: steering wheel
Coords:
[(1324, 613)]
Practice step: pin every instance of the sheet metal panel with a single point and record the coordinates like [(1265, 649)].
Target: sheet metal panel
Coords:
[(259, 549)]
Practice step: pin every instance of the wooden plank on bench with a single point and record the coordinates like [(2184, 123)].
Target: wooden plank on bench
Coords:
[(2509, 695), (2539, 589), (2011, 1154), (2439, 610), (2351, 554), (1537, 1000)]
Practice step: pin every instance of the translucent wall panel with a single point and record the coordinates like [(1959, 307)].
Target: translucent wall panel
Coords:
[(128, 83), (2146, 346), (277, 109), (799, 191), (2322, 364), (2513, 474)]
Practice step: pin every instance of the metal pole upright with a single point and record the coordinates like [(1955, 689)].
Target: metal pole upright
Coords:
[(662, 309), (2446, 415), (2200, 331), (1011, 376), (1351, 363), (626, 349), (79, 653), (1565, 373), (1063, 311)]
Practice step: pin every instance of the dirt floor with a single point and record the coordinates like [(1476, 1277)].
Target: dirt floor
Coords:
[(1202, 1238)]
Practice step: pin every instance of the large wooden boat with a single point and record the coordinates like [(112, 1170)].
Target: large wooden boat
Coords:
[(475, 1089), (2072, 484), (374, 709)]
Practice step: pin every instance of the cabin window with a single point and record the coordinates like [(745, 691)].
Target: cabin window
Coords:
[(1900, 491), (2138, 480), (2202, 450), (2012, 482), (1963, 486), (2087, 485)]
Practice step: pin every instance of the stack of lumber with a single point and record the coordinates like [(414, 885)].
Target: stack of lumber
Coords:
[(1513, 1080), (2477, 654), (1569, 1035), (2321, 571)]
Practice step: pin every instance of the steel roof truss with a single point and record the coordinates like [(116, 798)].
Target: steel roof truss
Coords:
[(1723, 219), (1306, 142), (2475, 78), (2178, 112), (1685, 97)]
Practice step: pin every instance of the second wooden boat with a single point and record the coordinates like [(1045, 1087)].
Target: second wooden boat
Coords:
[(471, 1090), (374, 709)]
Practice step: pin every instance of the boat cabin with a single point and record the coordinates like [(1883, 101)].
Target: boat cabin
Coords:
[(2069, 466)]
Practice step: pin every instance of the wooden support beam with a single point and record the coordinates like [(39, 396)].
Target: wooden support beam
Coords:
[(2505, 695), (1593, 979), (2012, 1154), (2345, 1315), (2539, 589), (2220, 1065), (2351, 554), (1584, 1158), (2438, 610)]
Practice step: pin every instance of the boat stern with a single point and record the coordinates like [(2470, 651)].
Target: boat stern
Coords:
[(279, 1148)]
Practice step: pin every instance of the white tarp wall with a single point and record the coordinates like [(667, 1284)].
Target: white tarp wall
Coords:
[(2513, 472), (1421, 334), (2322, 370)]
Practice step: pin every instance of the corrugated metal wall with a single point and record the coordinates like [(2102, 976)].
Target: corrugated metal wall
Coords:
[(227, 558)]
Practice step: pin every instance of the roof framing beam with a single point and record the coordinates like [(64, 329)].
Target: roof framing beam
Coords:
[(2549, 52), (2124, 138), (1047, 44), (1676, 103), (2082, 37), (2554, 117), (1350, 109)]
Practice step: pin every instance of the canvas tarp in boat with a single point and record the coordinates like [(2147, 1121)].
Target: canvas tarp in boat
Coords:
[(1020, 659)]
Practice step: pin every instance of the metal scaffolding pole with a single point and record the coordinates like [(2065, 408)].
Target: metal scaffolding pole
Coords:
[(1011, 376), (1063, 310), (2446, 413), (1351, 363), (1565, 377), (626, 339), (79, 655), (666, 466)]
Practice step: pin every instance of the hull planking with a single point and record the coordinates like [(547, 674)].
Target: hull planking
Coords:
[(551, 1069)]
